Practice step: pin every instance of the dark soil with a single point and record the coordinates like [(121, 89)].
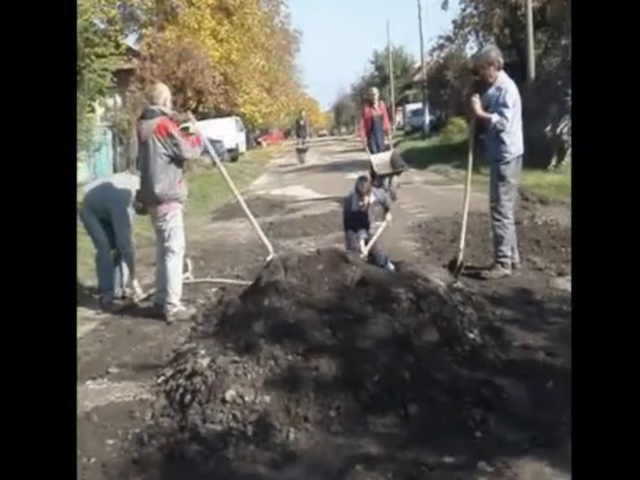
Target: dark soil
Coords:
[(276, 227), (327, 368), (527, 304), (305, 226), (529, 196), (260, 207), (544, 245)]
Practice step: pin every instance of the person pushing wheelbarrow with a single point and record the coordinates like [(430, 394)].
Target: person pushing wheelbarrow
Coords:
[(375, 128), (301, 129), (386, 163)]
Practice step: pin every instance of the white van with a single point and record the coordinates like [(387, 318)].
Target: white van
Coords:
[(230, 131), (416, 118)]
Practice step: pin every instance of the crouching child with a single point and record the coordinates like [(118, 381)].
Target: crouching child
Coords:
[(356, 215)]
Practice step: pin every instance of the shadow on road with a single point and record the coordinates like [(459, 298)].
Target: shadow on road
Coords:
[(342, 166), (329, 198)]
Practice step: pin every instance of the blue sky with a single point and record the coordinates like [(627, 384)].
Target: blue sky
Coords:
[(338, 37)]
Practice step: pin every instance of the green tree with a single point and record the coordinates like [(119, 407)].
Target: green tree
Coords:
[(99, 45), (344, 111), (377, 74), (502, 22), (223, 56), (448, 83)]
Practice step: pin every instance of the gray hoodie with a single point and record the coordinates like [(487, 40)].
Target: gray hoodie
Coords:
[(162, 152)]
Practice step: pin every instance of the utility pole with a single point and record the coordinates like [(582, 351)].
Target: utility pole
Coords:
[(392, 92), (423, 70), (423, 76), (531, 59)]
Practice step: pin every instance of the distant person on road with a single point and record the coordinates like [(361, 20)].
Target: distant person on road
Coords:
[(499, 110), (375, 128), (356, 217), (162, 154), (302, 129), (107, 214)]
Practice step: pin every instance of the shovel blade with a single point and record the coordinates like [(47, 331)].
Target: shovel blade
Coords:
[(455, 267)]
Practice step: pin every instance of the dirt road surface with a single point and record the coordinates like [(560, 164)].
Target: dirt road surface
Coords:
[(121, 358)]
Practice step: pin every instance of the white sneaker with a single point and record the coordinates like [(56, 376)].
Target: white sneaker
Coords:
[(180, 314)]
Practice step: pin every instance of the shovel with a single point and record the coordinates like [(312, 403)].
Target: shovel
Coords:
[(374, 239), (456, 265), (223, 171)]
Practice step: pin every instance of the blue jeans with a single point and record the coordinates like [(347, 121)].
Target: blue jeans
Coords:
[(170, 251), (375, 143), (503, 195), (111, 237)]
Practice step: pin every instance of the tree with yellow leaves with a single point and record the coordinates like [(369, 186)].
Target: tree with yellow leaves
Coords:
[(222, 56), (317, 119)]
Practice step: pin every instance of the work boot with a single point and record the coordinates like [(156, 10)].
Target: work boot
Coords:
[(497, 272), (107, 307), (180, 314), (106, 304)]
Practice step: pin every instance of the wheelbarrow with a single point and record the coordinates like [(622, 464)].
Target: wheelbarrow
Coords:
[(301, 151), (385, 168)]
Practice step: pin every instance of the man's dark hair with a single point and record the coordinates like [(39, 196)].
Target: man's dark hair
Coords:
[(363, 186)]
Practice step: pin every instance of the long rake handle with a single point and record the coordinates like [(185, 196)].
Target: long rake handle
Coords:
[(236, 193), (467, 192)]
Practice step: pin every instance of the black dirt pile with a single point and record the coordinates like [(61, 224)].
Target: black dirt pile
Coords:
[(322, 349), (311, 301)]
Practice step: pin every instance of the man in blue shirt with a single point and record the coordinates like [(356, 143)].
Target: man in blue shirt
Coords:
[(499, 110)]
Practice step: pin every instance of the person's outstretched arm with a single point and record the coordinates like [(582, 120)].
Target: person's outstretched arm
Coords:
[(179, 146)]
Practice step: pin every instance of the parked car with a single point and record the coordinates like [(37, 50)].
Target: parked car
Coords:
[(416, 118), (418, 121), (272, 137)]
